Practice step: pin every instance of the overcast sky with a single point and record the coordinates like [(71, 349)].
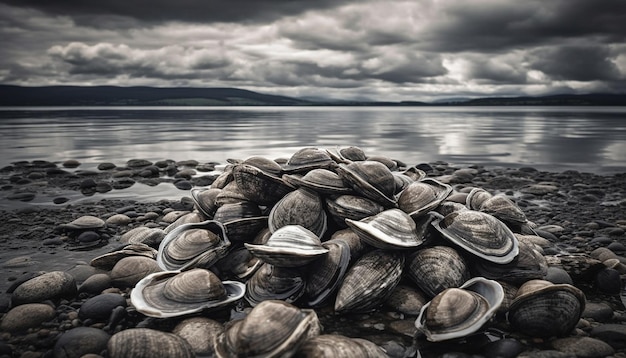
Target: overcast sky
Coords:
[(385, 50)]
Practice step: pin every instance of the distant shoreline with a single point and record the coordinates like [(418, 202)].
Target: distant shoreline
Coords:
[(105, 96)]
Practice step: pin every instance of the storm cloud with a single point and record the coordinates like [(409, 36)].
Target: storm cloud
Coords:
[(387, 50)]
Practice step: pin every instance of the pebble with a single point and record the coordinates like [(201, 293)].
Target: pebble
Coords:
[(49, 286), (95, 283), (21, 196), (183, 185), (612, 333), (583, 347), (599, 312), (23, 317), (80, 341), (99, 308), (88, 236), (71, 163), (539, 189), (106, 166), (118, 219), (135, 163)]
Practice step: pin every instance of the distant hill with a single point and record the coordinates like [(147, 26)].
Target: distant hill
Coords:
[(179, 96), (138, 96)]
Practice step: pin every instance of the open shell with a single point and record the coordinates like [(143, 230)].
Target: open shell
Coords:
[(175, 293), (193, 245), (289, 246), (458, 312), (390, 229), (480, 234)]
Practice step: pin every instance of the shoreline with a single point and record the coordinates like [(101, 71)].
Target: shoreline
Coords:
[(579, 211)]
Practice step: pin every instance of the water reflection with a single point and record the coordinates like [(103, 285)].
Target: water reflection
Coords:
[(551, 138)]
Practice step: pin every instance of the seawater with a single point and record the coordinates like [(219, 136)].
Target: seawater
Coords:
[(591, 139)]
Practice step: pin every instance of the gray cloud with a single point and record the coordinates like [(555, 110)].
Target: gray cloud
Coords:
[(389, 50)]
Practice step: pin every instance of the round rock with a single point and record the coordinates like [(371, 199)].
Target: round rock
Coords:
[(26, 316), (99, 308), (95, 283), (49, 286), (79, 341), (583, 347)]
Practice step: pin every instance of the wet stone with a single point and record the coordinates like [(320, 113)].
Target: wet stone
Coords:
[(99, 308), (106, 166), (23, 317), (539, 189), (611, 333), (49, 286), (599, 312), (583, 347), (136, 163), (80, 341), (88, 236), (60, 200), (21, 196), (71, 163), (183, 185), (95, 283)]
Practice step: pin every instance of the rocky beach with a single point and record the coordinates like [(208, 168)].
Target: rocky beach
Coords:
[(58, 301)]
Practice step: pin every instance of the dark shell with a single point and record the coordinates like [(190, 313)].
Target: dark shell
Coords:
[(390, 229), (259, 186), (352, 207), (543, 309), (330, 269), (143, 235), (205, 200), (307, 159), (504, 209), (193, 245), (371, 179), (300, 207), (480, 234), (107, 261), (423, 196), (242, 220), (433, 269), (335, 345), (289, 246), (369, 281), (352, 153), (528, 264), (274, 283), (476, 197), (175, 293)]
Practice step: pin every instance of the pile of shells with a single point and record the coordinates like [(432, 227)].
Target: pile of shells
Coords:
[(272, 243)]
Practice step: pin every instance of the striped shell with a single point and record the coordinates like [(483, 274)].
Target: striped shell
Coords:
[(371, 179), (390, 229), (274, 283), (261, 187), (300, 207), (289, 246), (433, 269), (423, 196)]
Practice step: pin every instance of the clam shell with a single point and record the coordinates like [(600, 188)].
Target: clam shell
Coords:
[(191, 217), (130, 270), (543, 309), (476, 197), (274, 283), (330, 269), (307, 159), (146, 342), (300, 207), (143, 235), (193, 245), (352, 207), (107, 261), (352, 153), (289, 246), (436, 268), (259, 186), (320, 180), (504, 209), (335, 345), (371, 179), (175, 293), (423, 196), (205, 200), (242, 220), (272, 329), (390, 229), (369, 281), (528, 264), (480, 234), (458, 312)]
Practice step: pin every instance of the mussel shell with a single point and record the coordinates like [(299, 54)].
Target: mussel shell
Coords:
[(320, 180), (205, 200), (175, 293), (352, 207), (271, 329), (307, 159), (543, 309), (390, 229), (302, 207), (480, 234), (423, 196), (274, 283), (433, 269), (329, 270), (458, 312), (371, 179), (259, 186), (193, 245), (369, 281), (289, 246), (335, 345)]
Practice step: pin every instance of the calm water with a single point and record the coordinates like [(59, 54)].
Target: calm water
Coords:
[(582, 138)]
